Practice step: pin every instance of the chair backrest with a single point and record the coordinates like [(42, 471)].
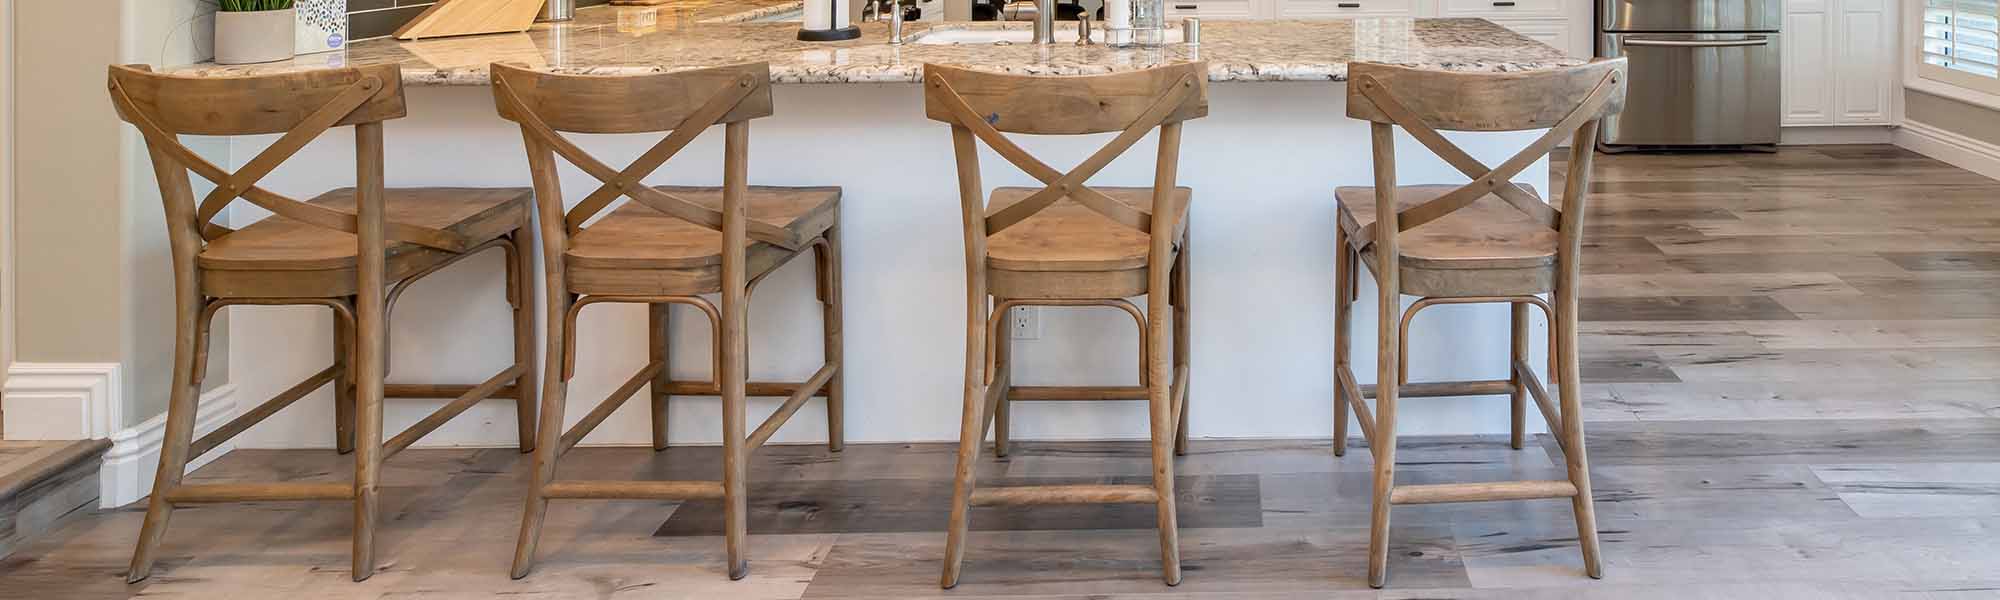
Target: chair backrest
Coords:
[(984, 106), (300, 105), (1569, 102), (685, 103)]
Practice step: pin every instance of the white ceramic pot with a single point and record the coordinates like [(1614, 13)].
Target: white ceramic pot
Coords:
[(254, 37)]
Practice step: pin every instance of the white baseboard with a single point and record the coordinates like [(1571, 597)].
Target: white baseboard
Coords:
[(1836, 134), (1960, 151), (62, 401), (134, 457)]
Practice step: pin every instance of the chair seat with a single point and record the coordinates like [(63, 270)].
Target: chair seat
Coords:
[(1488, 248), (1068, 250), (636, 250), (281, 257)]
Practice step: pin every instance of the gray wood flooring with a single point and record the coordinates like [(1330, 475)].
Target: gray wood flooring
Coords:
[(1792, 367)]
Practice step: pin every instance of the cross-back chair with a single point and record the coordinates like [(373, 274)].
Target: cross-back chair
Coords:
[(667, 245), (1071, 244), (353, 250), (1488, 241)]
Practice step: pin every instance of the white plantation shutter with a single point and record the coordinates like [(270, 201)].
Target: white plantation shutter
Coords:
[(1961, 43)]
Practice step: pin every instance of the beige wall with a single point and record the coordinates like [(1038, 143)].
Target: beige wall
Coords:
[(1970, 120), (67, 206), (92, 272)]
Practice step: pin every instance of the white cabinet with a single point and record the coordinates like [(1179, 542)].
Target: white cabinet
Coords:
[(1808, 73), (1839, 62), (1866, 64)]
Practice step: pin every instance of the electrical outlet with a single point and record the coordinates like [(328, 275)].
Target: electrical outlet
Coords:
[(1026, 323)]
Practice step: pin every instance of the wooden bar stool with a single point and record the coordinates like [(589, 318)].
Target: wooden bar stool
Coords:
[(339, 250), (669, 245), (1068, 244), (1482, 242)]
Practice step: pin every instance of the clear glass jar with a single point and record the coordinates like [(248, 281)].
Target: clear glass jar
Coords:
[(1149, 23)]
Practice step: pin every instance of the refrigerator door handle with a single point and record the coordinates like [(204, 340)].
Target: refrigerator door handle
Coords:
[(1760, 41)]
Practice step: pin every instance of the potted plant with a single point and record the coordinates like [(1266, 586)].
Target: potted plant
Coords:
[(254, 31)]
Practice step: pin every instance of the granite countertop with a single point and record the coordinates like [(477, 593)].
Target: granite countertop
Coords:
[(725, 11), (619, 40)]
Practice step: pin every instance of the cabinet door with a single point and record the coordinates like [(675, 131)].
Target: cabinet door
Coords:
[(1554, 32), (1808, 72), (1212, 9), (1864, 78), (1308, 9)]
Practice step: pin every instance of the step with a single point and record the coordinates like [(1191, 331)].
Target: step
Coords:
[(44, 483)]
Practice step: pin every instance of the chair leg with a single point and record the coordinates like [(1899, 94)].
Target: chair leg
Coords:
[(1343, 325), (343, 384), (733, 380), (370, 341), (1161, 401), (1572, 432), (1383, 443), (548, 446), (1003, 414), (178, 436), (520, 264), (831, 307), (659, 324), (1183, 342), (1519, 354), (971, 431)]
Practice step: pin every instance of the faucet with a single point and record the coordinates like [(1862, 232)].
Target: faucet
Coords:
[(1042, 12), (895, 9)]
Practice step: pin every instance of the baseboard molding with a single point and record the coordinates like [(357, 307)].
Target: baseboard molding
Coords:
[(134, 457), (62, 401), (1835, 135), (1960, 151)]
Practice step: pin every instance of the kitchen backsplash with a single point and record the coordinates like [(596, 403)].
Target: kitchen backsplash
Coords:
[(377, 18)]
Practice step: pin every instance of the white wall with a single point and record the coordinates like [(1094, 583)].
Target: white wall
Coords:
[(1263, 165)]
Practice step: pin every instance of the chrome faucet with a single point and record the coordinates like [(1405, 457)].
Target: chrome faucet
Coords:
[(895, 9), (1045, 22), (1042, 12)]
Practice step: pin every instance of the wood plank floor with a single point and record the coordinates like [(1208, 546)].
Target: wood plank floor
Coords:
[(1791, 369)]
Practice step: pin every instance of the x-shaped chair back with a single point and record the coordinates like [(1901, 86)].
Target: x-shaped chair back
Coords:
[(1569, 102), (987, 105), (301, 105), (684, 103)]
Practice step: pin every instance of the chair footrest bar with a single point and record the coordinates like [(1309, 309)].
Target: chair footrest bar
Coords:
[(1065, 494), (596, 416), (633, 490), (791, 406), (440, 390), (1077, 392), (1541, 396), (255, 492), (755, 389), (1480, 492), (1432, 389), (1345, 379), (263, 411), (444, 414)]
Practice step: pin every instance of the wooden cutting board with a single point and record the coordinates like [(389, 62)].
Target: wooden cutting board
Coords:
[(471, 17)]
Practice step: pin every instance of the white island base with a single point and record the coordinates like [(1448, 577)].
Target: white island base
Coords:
[(1263, 165)]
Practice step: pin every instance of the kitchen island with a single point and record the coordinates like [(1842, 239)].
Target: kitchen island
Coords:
[(1263, 165)]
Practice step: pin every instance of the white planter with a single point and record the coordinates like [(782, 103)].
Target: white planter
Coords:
[(254, 37)]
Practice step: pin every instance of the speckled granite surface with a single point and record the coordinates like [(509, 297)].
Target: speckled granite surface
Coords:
[(612, 40)]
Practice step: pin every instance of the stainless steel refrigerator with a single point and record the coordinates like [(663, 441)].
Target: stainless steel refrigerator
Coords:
[(1703, 72)]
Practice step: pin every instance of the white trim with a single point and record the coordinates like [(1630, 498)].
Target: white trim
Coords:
[(1835, 134), (134, 457), (62, 401), (1963, 152)]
